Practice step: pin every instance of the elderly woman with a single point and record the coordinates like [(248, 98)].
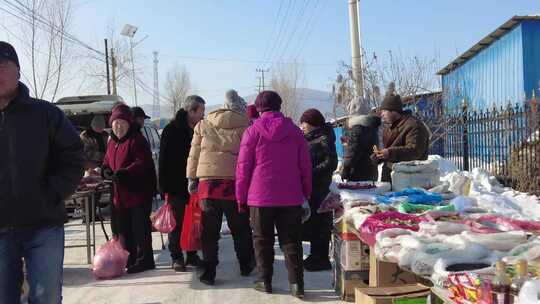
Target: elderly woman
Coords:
[(322, 146), (212, 160), (128, 162), (273, 178)]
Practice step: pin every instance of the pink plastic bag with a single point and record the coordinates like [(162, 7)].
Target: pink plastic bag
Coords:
[(164, 221), (386, 220), (508, 224), (110, 260)]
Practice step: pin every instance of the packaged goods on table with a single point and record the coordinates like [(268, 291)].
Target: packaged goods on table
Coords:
[(411, 195), (420, 174), (502, 241), (529, 251), (407, 207), (386, 220)]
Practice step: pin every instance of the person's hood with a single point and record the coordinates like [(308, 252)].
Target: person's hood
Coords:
[(274, 126), (370, 121), (228, 119)]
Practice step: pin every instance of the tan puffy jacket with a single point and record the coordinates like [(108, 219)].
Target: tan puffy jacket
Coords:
[(215, 145)]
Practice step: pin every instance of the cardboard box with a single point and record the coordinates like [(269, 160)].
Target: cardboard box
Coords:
[(406, 294), (353, 255), (385, 274), (345, 282)]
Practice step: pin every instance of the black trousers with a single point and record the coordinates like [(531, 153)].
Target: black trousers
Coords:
[(133, 227), (178, 205), (238, 223), (317, 230), (288, 222)]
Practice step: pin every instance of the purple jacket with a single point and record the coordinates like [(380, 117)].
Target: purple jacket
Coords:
[(274, 166)]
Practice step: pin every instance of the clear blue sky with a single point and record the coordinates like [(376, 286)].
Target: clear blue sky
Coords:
[(244, 30)]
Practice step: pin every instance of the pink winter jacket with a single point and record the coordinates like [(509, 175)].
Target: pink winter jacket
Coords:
[(274, 166)]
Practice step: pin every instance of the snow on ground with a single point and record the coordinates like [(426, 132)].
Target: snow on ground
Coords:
[(163, 285)]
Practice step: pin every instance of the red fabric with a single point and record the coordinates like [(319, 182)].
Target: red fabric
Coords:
[(190, 240), (133, 154), (218, 189)]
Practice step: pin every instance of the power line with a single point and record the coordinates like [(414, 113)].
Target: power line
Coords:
[(308, 29), (30, 16), (295, 28), (274, 28), (244, 60), (285, 19)]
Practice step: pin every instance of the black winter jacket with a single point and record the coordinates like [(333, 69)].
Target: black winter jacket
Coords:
[(41, 163), (361, 136), (322, 147), (173, 154)]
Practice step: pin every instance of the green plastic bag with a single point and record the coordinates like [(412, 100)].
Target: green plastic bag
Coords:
[(419, 208)]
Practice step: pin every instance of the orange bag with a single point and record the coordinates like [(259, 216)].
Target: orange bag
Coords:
[(190, 239)]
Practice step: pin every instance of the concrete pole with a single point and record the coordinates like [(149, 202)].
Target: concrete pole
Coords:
[(133, 71), (356, 52), (113, 65)]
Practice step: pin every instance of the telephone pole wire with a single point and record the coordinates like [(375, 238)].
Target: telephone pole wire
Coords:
[(262, 84)]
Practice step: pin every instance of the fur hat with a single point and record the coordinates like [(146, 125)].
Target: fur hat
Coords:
[(234, 102)]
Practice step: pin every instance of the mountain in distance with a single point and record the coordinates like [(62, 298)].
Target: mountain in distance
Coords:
[(307, 98)]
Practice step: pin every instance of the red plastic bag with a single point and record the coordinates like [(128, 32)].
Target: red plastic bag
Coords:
[(386, 220), (110, 260), (164, 221), (192, 225)]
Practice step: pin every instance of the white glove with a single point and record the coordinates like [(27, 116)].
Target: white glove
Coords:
[(306, 211)]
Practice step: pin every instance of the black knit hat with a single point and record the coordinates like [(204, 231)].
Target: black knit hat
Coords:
[(392, 103), (313, 117), (7, 52), (268, 101)]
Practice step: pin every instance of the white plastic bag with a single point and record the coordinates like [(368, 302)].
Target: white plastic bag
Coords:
[(437, 228), (530, 292), (503, 241), (463, 203)]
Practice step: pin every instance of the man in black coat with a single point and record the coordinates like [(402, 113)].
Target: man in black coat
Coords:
[(322, 147), (41, 164), (174, 152), (361, 136)]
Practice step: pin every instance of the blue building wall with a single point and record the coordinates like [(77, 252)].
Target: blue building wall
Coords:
[(531, 56), (494, 76)]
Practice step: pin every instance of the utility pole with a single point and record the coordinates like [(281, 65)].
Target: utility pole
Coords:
[(261, 79), (156, 108), (113, 69), (107, 64), (133, 71), (354, 27)]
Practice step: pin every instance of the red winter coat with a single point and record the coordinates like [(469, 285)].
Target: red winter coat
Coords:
[(132, 153)]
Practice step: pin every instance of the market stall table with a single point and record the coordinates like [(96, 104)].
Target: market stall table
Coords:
[(88, 197)]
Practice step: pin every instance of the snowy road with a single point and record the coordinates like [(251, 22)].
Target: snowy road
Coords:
[(163, 285)]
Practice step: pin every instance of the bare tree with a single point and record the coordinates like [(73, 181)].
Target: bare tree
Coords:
[(43, 28), (177, 86), (409, 76), (286, 81)]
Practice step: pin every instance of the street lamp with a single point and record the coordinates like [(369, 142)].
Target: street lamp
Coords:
[(129, 31)]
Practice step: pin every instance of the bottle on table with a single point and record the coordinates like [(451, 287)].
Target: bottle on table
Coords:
[(501, 285), (522, 275)]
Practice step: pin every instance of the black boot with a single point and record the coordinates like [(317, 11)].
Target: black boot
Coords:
[(313, 264), (209, 276), (247, 268), (263, 286), (179, 265), (297, 290), (140, 267), (194, 260)]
